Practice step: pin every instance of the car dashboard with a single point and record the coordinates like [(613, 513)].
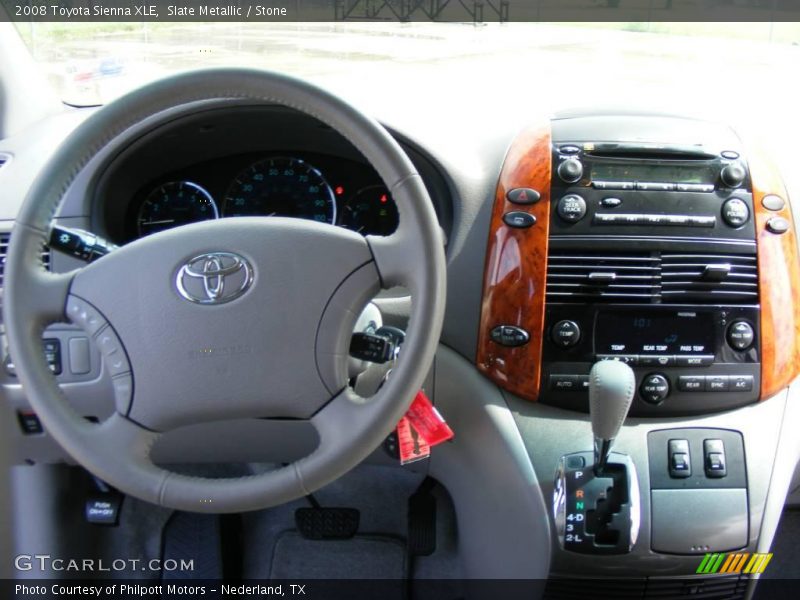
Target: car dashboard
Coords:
[(660, 241)]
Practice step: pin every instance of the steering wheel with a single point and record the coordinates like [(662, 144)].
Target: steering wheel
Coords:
[(234, 318)]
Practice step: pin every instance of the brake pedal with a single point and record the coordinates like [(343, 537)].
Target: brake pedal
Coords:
[(318, 523)]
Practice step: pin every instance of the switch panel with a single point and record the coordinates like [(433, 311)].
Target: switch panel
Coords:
[(680, 462), (714, 458)]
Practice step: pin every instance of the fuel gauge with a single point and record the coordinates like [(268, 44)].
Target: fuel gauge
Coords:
[(370, 211)]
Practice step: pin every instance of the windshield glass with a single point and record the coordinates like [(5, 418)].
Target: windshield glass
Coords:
[(743, 73)]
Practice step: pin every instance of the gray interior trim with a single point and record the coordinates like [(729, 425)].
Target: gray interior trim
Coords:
[(489, 476)]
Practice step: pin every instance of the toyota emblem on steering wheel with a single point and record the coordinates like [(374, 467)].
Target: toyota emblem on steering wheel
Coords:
[(214, 278)]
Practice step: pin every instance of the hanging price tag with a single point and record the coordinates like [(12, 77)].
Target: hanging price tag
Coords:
[(420, 429)]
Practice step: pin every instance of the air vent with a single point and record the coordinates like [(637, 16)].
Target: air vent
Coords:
[(651, 277), (4, 239), (709, 278), (605, 277)]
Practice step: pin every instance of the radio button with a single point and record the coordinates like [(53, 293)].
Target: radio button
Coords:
[(694, 187), (652, 186), (697, 360), (656, 360), (740, 383), (691, 383), (566, 333), (572, 208), (613, 185), (729, 154), (523, 196), (733, 175), (654, 388), (678, 220), (569, 149), (717, 383), (735, 212), (740, 335), (519, 219), (696, 221), (610, 202), (570, 170)]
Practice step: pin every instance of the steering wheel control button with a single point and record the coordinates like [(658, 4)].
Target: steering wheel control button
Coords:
[(571, 208), (691, 383), (570, 170), (680, 463), (79, 355), (735, 212), (773, 202), (654, 388), (112, 351), (778, 225), (52, 354), (509, 335), (519, 219), (714, 458), (84, 315), (523, 196), (123, 392), (566, 334), (740, 335)]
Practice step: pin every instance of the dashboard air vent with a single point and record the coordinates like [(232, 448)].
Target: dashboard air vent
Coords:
[(709, 278), (585, 277), (4, 239), (651, 277)]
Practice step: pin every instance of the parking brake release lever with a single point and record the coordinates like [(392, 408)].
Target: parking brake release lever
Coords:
[(612, 385)]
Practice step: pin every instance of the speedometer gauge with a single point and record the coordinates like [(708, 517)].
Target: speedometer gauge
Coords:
[(173, 204), (284, 187)]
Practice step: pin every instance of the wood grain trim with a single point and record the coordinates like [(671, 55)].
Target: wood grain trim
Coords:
[(778, 280), (516, 268)]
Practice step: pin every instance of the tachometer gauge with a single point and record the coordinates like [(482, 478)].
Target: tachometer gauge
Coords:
[(283, 187), (173, 204), (371, 210)]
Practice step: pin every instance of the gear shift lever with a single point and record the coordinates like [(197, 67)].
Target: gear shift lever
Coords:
[(612, 385)]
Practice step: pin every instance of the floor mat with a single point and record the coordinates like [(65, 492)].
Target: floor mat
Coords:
[(361, 557)]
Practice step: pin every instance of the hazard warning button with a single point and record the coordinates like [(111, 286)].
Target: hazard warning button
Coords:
[(523, 196)]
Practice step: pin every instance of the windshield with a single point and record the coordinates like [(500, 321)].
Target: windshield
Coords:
[(743, 73)]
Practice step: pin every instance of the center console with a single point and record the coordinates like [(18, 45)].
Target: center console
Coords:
[(652, 261), (666, 244)]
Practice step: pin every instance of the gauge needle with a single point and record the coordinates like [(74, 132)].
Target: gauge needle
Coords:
[(162, 222)]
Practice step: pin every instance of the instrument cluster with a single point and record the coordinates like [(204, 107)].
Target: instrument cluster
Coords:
[(321, 188)]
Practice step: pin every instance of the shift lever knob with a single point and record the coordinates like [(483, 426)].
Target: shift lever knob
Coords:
[(612, 385)]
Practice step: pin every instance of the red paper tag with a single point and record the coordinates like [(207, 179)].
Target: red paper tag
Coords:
[(420, 429)]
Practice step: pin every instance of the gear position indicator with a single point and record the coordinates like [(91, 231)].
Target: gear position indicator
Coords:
[(596, 513)]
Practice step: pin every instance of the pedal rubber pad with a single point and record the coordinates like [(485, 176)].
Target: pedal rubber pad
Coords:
[(327, 523)]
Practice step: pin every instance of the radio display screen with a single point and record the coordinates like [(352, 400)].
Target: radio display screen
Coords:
[(661, 173), (654, 333)]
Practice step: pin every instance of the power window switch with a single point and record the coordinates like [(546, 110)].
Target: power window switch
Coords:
[(714, 458), (680, 464)]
